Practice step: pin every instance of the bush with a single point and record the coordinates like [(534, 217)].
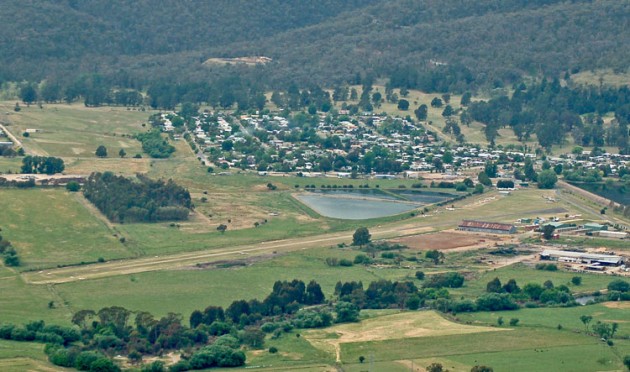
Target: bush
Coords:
[(73, 186), (345, 262), (449, 280), (514, 322), (420, 275), (619, 285), (273, 350)]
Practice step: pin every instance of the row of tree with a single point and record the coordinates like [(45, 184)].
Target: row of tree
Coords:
[(42, 164)]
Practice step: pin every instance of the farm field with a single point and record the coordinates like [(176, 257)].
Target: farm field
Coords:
[(193, 288), (10, 165), (524, 274), (50, 227), (23, 356), (74, 130)]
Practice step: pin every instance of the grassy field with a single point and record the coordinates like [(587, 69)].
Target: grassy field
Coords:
[(10, 165), (192, 288), (549, 318), (24, 356), (603, 77), (490, 348), (75, 130), (21, 303), (524, 274), (50, 227)]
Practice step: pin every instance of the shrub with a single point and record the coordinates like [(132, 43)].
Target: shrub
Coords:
[(73, 186), (273, 350)]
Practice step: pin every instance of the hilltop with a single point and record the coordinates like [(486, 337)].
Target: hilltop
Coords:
[(437, 46)]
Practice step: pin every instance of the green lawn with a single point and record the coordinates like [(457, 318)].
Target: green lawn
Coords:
[(50, 227)]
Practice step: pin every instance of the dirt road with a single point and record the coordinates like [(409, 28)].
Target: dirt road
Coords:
[(16, 142), (175, 261)]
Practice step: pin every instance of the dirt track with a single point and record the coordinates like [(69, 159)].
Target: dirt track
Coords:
[(132, 266)]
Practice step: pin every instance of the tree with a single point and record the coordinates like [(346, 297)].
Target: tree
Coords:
[(73, 186), (28, 94), (435, 367), (421, 112), (576, 280), (626, 362), (547, 179), (403, 105), (436, 102), (619, 285), (434, 255), (481, 369), (548, 231), (494, 286), (466, 98), (122, 153), (448, 111), (361, 236), (101, 151), (221, 228), (586, 319), (484, 179), (346, 312), (420, 275)]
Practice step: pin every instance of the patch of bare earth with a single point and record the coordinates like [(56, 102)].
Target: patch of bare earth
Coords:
[(617, 305), (450, 240)]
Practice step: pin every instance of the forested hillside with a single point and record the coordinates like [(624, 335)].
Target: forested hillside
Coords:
[(448, 45)]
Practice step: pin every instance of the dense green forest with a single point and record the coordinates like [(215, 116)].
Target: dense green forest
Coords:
[(451, 45), (123, 199)]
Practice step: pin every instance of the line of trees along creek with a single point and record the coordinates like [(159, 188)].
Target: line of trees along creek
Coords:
[(141, 199)]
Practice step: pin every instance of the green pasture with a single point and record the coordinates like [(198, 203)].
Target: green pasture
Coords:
[(550, 318), (21, 303), (50, 227), (76, 131), (499, 344), (23, 356), (10, 165), (524, 274), (183, 291)]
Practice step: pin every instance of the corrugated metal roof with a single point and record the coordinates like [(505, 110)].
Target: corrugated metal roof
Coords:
[(486, 225)]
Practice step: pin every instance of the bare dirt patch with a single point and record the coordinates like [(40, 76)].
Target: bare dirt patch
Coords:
[(447, 240), (617, 305), (249, 61)]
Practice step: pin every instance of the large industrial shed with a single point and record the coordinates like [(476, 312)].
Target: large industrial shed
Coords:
[(581, 257), (487, 227)]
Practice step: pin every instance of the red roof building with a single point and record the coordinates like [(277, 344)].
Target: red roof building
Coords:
[(487, 227)]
